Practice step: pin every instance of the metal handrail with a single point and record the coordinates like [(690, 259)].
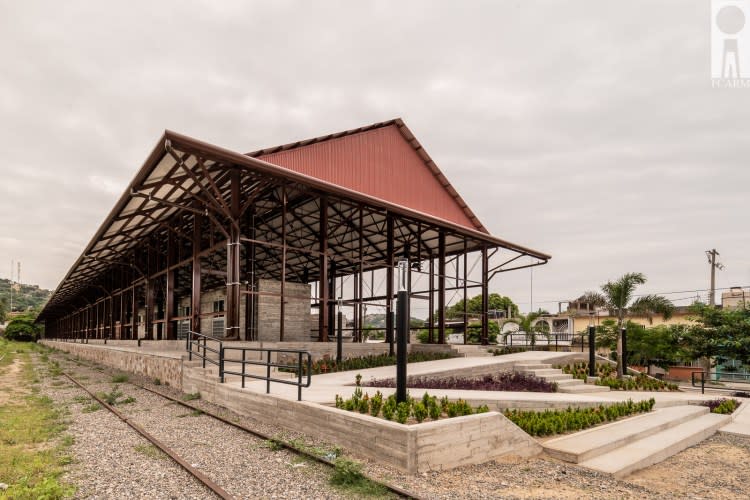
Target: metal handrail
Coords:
[(200, 342), (703, 380), (298, 367), (202, 350)]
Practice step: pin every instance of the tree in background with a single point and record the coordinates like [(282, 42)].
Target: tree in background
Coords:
[(617, 297), (474, 306), (532, 328), (3, 309), (474, 332), (718, 333), (23, 329)]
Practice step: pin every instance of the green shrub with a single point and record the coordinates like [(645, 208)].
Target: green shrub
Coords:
[(608, 378), (420, 412), (551, 422), (403, 410), (420, 409), (22, 330)]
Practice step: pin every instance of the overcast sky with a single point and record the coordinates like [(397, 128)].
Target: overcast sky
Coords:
[(585, 129)]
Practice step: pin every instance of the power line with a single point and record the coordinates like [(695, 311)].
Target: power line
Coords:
[(697, 290)]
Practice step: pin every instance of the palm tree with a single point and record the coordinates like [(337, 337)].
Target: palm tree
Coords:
[(529, 325), (617, 298)]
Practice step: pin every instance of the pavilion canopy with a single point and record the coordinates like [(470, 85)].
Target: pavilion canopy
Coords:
[(386, 171)]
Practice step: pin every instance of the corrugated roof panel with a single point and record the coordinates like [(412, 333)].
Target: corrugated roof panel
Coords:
[(379, 163)]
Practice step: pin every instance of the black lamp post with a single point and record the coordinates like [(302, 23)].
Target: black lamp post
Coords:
[(592, 346), (402, 328)]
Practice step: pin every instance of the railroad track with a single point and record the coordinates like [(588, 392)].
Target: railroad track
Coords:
[(205, 480)]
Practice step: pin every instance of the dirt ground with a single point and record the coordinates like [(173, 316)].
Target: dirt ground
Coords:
[(11, 385)]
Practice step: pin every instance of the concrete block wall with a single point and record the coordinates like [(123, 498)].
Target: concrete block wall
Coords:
[(414, 448), (296, 311), (168, 370)]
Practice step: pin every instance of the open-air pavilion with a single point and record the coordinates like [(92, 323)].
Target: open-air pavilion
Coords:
[(269, 245)]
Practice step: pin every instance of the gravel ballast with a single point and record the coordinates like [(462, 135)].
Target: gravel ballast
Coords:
[(249, 467)]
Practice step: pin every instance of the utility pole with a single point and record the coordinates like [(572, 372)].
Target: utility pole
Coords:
[(11, 286), (712, 254)]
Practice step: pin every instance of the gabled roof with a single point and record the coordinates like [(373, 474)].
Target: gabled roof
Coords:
[(383, 160), (181, 171)]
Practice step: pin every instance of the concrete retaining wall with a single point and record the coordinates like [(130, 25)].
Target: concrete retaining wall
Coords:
[(166, 369), (436, 445)]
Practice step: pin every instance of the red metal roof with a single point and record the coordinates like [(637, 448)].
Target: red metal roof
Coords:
[(384, 161)]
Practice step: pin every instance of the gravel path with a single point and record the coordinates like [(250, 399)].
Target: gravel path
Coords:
[(113, 461), (247, 467)]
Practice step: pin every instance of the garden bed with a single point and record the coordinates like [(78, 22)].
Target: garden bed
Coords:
[(608, 377), (722, 406), (549, 422), (503, 381), (362, 363), (409, 411)]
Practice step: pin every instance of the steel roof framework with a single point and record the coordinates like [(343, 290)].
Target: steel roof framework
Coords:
[(199, 217)]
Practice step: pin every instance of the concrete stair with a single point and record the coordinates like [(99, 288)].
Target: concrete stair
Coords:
[(623, 447), (470, 351), (565, 383)]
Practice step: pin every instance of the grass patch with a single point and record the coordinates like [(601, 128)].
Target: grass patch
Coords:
[(194, 413), (330, 453), (32, 448), (191, 396), (115, 397), (150, 451), (119, 378), (54, 369), (91, 408), (272, 444), (348, 477)]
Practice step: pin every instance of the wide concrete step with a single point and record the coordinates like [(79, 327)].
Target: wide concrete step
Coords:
[(541, 372), (582, 388), (569, 381), (556, 377), (656, 447), (590, 443), (531, 366)]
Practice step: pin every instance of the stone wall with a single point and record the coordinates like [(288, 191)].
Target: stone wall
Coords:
[(166, 369), (414, 448)]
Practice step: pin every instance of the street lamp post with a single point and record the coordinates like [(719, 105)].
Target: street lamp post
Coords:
[(592, 346), (402, 329)]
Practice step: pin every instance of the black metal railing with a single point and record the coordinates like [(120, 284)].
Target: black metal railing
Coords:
[(203, 346), (301, 357), (555, 341), (198, 345), (702, 380)]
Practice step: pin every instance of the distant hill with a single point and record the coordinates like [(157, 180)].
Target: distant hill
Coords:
[(24, 296), (378, 321)]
